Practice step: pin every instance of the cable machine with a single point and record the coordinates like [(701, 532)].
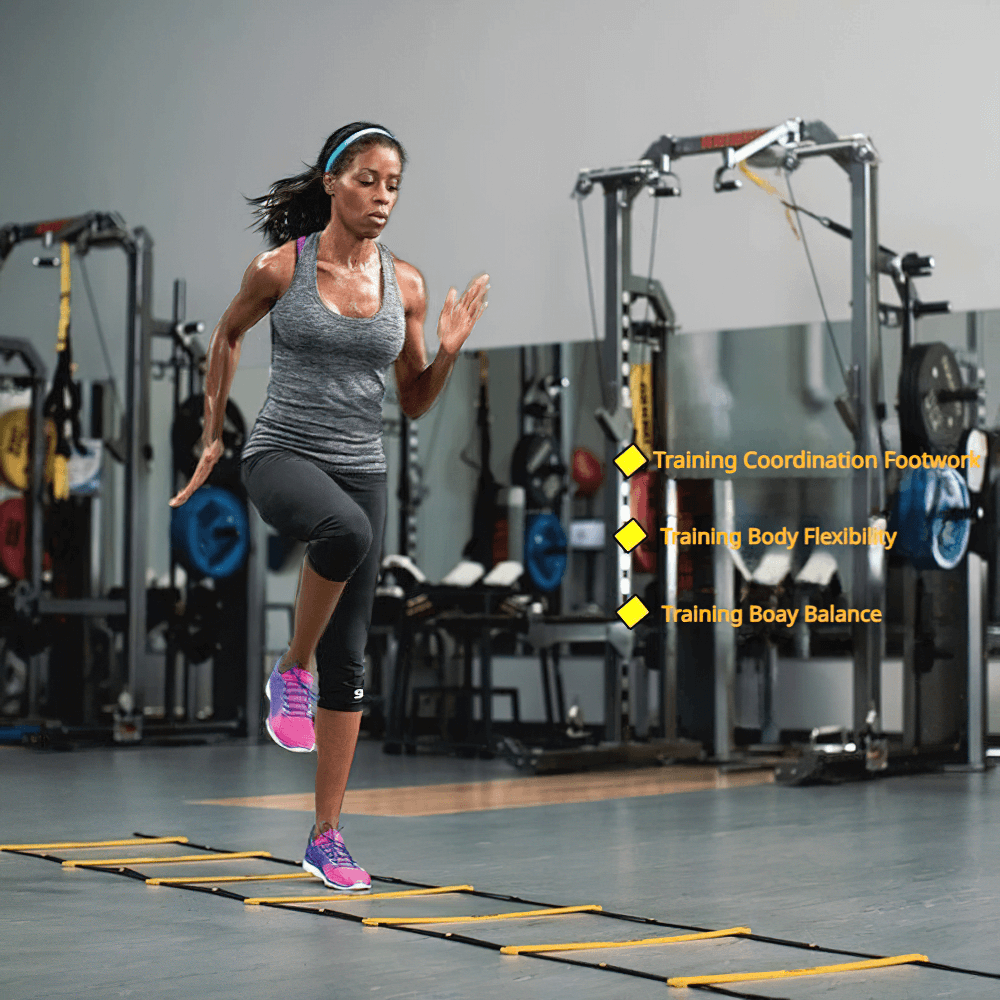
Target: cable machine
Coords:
[(785, 146)]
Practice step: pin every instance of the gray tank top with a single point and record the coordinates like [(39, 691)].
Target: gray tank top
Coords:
[(327, 378)]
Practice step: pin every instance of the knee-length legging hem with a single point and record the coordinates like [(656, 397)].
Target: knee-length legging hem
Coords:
[(342, 518)]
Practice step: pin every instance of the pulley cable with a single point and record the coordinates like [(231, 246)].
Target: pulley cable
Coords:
[(593, 308), (652, 254), (100, 333), (819, 292), (800, 235)]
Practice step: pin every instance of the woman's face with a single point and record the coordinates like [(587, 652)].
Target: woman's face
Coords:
[(365, 193)]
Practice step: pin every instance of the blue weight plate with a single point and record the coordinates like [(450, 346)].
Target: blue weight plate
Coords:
[(211, 533), (927, 537), (545, 551)]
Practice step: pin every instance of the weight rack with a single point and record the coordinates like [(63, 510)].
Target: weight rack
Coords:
[(101, 230), (414, 925)]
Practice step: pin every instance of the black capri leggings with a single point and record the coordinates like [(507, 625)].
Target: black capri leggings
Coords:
[(342, 517)]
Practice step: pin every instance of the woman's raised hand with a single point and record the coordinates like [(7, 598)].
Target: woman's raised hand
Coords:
[(210, 454), (459, 315)]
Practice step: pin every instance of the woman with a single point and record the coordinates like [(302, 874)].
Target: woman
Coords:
[(342, 309)]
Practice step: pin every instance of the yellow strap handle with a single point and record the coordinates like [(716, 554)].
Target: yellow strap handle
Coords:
[(64, 287), (767, 186)]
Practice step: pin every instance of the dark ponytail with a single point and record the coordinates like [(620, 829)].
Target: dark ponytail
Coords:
[(297, 206)]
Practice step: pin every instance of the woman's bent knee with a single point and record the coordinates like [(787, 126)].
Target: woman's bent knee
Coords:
[(341, 548)]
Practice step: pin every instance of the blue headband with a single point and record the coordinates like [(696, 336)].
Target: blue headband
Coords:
[(354, 138)]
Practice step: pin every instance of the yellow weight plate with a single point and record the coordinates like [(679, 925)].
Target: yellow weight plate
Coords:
[(14, 449)]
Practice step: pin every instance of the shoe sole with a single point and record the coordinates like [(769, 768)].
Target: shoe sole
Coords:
[(313, 870), (270, 731)]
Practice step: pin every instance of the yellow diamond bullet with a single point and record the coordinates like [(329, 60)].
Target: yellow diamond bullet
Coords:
[(630, 535), (632, 612), (630, 460)]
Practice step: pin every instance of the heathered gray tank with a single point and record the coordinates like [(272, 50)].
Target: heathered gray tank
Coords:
[(324, 397)]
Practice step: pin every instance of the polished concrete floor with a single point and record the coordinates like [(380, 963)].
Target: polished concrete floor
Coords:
[(894, 866)]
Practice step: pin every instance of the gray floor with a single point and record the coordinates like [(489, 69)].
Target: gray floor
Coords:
[(894, 866)]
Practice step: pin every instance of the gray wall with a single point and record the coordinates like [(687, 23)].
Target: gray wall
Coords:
[(169, 112)]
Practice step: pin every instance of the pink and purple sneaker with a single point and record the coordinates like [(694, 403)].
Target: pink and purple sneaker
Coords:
[(292, 697), (327, 858)]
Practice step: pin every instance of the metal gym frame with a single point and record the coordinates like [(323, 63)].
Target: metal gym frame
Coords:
[(784, 146), (98, 230)]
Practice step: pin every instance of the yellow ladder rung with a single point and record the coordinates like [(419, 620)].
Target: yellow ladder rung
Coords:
[(518, 949), (553, 912), (820, 970), (83, 844), (344, 896), (189, 879), (106, 862)]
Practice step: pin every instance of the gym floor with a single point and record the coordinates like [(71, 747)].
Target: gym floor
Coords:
[(889, 867)]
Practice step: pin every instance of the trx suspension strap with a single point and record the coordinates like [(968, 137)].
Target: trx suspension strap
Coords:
[(62, 404)]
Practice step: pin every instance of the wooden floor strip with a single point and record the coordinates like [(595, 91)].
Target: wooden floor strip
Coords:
[(514, 793)]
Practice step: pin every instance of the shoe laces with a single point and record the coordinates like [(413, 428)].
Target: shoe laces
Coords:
[(333, 846), (297, 697)]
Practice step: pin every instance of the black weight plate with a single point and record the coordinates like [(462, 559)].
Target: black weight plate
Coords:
[(985, 538), (187, 430), (198, 631), (536, 465), (926, 423)]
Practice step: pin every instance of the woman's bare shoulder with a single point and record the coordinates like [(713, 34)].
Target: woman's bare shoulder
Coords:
[(270, 273), (412, 286)]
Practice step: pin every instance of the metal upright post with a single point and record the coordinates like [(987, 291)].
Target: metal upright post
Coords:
[(977, 683), (567, 402), (725, 635), (617, 565), (256, 624), (137, 452), (868, 485), (668, 661)]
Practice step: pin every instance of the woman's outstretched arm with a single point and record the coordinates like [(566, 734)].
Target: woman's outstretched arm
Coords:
[(418, 383), (265, 280)]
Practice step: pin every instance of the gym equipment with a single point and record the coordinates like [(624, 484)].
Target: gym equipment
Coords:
[(976, 448), (197, 632), (123, 867), (14, 449), (14, 537), (62, 404), (210, 533), (931, 514), (536, 465), (85, 468), (642, 500), (545, 551), (480, 547), (189, 423), (786, 146), (587, 472), (932, 412), (123, 423)]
